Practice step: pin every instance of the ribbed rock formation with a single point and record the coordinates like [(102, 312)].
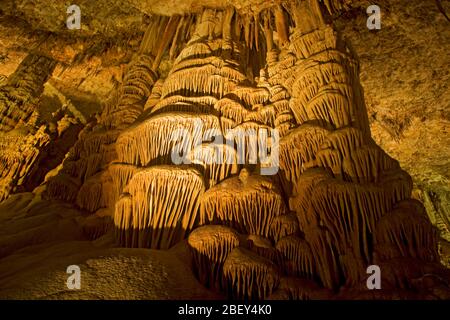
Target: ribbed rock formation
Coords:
[(338, 202), (210, 247), (249, 276), (18, 96), (26, 139)]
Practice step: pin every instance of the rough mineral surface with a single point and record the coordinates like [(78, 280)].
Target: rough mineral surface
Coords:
[(138, 146)]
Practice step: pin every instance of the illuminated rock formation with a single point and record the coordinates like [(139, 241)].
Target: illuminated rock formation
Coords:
[(18, 96), (26, 139), (249, 276), (210, 246), (168, 161)]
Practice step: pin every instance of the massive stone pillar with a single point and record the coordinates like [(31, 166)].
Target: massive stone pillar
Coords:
[(20, 140), (337, 204), (18, 94)]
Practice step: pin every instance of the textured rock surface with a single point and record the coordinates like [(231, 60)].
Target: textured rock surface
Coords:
[(59, 235), (405, 75), (265, 65)]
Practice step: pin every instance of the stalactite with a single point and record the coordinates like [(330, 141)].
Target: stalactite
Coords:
[(283, 226), (148, 43), (247, 136), (248, 206), (203, 104), (263, 247), (226, 27), (367, 163), (349, 202), (136, 88), (406, 232), (97, 192), (210, 246), (268, 31), (155, 96), (281, 25), (206, 79), (176, 38), (297, 259), (299, 148), (193, 51), (218, 161), (95, 227), (63, 187), (90, 195), (238, 113), (153, 139), (167, 38), (20, 150), (121, 175), (249, 276), (160, 207)]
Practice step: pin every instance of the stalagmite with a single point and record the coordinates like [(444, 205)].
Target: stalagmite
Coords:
[(20, 150), (406, 232)]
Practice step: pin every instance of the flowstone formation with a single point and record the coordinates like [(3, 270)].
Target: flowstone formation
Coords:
[(26, 140), (338, 203)]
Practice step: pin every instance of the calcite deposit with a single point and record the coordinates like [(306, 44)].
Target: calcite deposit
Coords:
[(234, 144)]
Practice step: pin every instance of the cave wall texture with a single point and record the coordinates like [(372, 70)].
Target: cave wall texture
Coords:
[(86, 135)]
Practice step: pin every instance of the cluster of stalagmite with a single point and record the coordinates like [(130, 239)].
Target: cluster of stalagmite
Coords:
[(25, 139), (172, 158), (20, 150), (18, 96)]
